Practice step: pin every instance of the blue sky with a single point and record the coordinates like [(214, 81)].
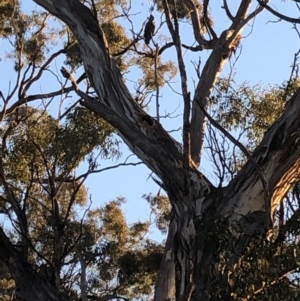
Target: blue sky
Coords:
[(267, 54)]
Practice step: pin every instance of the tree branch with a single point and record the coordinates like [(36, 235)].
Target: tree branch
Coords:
[(278, 157), (186, 95), (30, 98), (31, 287), (221, 53), (250, 158), (142, 133), (197, 26), (277, 14), (227, 10), (206, 22)]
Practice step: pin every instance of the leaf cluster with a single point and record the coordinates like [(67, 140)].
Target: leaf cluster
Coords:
[(251, 108), (250, 265), (41, 156), (182, 10)]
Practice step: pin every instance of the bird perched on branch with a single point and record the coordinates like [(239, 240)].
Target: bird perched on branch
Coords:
[(149, 30), (68, 75), (148, 123), (148, 119)]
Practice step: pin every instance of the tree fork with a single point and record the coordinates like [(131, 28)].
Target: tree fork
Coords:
[(277, 155)]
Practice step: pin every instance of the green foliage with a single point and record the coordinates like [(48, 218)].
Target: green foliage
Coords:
[(7, 284), (251, 107), (245, 111), (183, 12), (73, 57), (165, 72), (28, 34), (114, 33), (34, 48), (41, 156), (123, 254), (37, 137), (138, 268), (249, 265), (109, 9), (117, 41), (253, 267), (161, 209), (7, 10)]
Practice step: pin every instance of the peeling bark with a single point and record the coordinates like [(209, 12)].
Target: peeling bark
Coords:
[(165, 284), (278, 157)]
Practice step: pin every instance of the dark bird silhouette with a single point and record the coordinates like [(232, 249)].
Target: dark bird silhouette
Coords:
[(68, 75), (65, 73), (148, 119), (149, 30)]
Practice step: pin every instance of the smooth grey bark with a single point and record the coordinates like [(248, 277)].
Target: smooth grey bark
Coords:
[(165, 284), (191, 196), (222, 49)]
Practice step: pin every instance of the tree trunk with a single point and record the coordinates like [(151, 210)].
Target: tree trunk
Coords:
[(165, 285)]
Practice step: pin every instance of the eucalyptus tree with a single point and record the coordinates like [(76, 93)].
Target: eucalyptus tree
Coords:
[(212, 230)]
